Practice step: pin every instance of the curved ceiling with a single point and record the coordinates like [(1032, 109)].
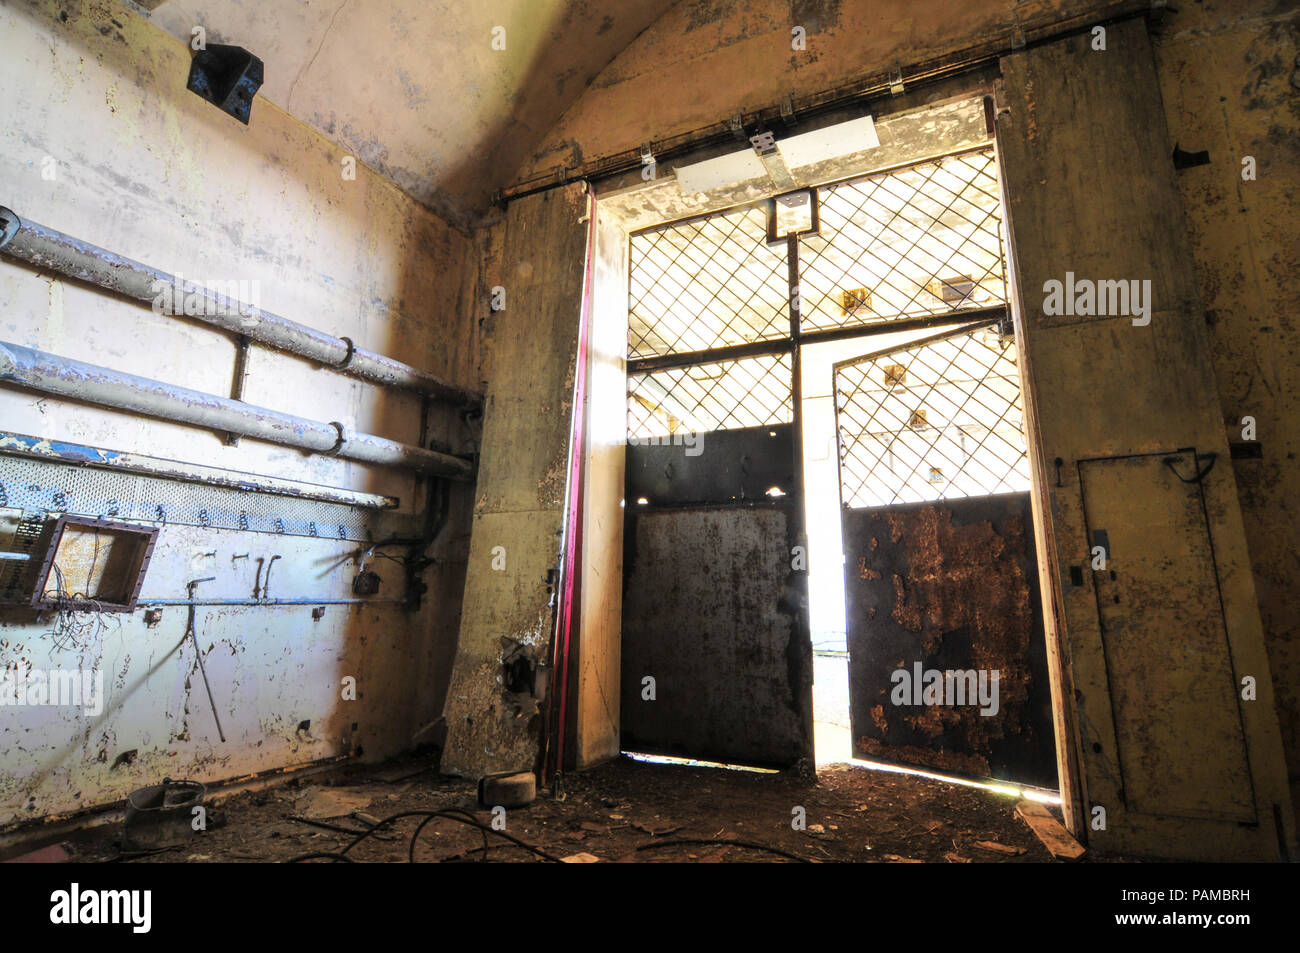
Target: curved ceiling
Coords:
[(414, 88)]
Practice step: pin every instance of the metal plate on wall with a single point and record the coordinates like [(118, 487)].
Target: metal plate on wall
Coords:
[(1174, 698)]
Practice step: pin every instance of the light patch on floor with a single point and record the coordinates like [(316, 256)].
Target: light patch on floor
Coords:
[(693, 763), (833, 736)]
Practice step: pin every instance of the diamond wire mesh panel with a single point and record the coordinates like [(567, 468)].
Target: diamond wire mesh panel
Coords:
[(706, 283), (938, 421), (918, 241), (725, 395)]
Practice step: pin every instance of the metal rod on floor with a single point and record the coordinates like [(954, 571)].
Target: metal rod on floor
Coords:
[(64, 377), (52, 250)]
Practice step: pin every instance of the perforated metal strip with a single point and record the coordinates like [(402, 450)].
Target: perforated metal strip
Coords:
[(86, 491)]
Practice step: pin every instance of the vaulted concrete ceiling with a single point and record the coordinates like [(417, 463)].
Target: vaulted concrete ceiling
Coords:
[(414, 88)]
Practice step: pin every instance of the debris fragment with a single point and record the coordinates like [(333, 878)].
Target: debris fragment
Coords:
[(996, 848), (319, 803), (1049, 831), (54, 854)]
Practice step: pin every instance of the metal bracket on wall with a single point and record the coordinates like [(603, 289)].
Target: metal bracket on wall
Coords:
[(787, 110), (240, 376), (1018, 39)]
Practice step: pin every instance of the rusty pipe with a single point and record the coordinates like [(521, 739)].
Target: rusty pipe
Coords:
[(52, 250), (93, 384)]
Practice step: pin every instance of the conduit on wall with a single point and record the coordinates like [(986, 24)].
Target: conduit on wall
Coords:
[(93, 384), (49, 249)]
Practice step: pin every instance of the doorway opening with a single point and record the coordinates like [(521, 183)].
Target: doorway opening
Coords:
[(755, 336), (926, 625)]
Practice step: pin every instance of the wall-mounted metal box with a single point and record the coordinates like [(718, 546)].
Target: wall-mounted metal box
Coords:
[(84, 563)]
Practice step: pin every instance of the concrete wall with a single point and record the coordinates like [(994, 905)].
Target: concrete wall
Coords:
[(706, 60), (148, 169), (495, 722), (1230, 80)]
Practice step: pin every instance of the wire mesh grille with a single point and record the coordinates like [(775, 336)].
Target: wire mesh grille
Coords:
[(726, 395), (937, 421), (707, 283), (914, 242), (26, 534)]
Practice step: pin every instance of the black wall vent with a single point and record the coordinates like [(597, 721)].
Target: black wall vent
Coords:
[(228, 77)]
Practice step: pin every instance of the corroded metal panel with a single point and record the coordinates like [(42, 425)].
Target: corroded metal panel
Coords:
[(707, 615), (948, 586)]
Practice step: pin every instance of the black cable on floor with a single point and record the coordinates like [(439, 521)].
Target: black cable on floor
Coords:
[(451, 814)]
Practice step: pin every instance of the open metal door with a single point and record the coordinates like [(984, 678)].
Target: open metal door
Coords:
[(947, 659), (716, 658), (1169, 724)]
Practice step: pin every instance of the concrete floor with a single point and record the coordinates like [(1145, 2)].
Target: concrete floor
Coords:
[(625, 810)]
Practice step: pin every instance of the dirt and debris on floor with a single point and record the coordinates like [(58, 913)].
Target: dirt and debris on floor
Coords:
[(626, 811)]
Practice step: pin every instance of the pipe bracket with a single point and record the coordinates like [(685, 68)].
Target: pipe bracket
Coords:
[(9, 225), (342, 440), (347, 358)]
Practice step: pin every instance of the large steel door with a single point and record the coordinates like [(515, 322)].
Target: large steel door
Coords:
[(1166, 700), (947, 658), (715, 652)]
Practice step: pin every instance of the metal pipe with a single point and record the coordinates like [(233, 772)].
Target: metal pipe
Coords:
[(108, 388), (49, 249)]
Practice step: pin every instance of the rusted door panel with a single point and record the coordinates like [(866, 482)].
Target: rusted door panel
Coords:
[(951, 585), (1178, 730), (707, 616)]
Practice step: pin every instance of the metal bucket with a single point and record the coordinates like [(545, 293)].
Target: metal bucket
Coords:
[(161, 815)]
